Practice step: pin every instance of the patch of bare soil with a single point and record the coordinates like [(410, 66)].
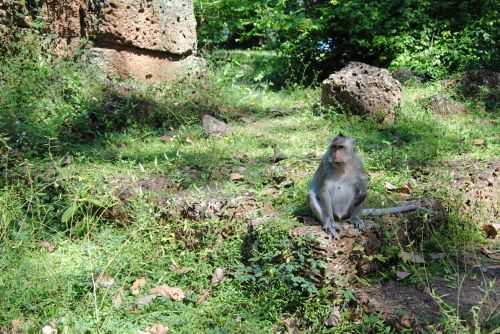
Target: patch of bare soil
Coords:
[(411, 306)]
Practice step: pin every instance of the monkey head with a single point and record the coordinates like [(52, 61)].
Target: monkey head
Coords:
[(341, 149)]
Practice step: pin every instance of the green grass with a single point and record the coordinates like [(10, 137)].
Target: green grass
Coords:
[(64, 193)]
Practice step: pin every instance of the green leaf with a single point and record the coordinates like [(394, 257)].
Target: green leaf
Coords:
[(70, 212)]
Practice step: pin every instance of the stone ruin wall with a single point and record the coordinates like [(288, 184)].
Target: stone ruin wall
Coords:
[(148, 40)]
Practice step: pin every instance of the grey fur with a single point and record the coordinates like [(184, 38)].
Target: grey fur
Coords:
[(338, 190)]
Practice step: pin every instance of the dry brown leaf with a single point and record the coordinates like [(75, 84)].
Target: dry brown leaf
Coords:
[(236, 177), (166, 138), (389, 186), (334, 317), (138, 284), (104, 282), (203, 296), (16, 326), (168, 292), (406, 189), (48, 246), (218, 276), (478, 142), (490, 231), (402, 274), (242, 158), (291, 326), (180, 270), (268, 210), (157, 329), (412, 257), (495, 255), (117, 298)]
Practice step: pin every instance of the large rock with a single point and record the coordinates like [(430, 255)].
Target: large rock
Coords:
[(150, 40), (363, 90), (156, 25)]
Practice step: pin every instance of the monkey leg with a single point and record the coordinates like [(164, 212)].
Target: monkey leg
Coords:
[(322, 213), (316, 207), (330, 227), (358, 222)]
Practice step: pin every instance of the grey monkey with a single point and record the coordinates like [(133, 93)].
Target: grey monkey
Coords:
[(339, 185)]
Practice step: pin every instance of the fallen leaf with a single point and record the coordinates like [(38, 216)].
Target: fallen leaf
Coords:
[(389, 186), (49, 330), (166, 138), (180, 270), (268, 210), (406, 189), (272, 191), (236, 177), (334, 317), (402, 274), (291, 326), (16, 326), (104, 282), (217, 276), (490, 253), (157, 329), (168, 292), (490, 231), (138, 284), (242, 158), (412, 257), (189, 141), (145, 300), (203, 296), (478, 142), (48, 246), (117, 298)]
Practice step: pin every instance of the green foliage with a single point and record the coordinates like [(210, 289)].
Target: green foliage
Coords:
[(276, 261), (316, 37)]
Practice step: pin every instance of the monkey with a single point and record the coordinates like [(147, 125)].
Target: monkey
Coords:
[(339, 185)]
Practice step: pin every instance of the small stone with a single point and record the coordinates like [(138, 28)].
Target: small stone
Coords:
[(214, 127)]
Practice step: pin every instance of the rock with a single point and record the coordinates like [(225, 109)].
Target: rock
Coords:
[(443, 105), (145, 66), (363, 90), (347, 256), (150, 41), (154, 25), (473, 81), (214, 127), (482, 84), (404, 75)]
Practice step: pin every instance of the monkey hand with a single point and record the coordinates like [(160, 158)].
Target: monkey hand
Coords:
[(330, 227)]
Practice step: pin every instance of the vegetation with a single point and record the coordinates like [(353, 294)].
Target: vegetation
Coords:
[(314, 37), (102, 178)]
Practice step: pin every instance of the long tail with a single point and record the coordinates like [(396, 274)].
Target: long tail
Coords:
[(387, 211)]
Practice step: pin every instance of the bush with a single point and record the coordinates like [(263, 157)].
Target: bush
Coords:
[(317, 37)]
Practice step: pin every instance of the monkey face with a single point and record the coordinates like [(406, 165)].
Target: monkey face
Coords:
[(341, 149)]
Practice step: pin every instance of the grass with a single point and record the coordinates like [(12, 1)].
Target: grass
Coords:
[(64, 191)]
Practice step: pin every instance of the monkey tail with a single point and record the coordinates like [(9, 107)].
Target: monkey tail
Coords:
[(388, 211)]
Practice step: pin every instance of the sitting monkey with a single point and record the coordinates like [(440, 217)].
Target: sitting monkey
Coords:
[(339, 185)]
